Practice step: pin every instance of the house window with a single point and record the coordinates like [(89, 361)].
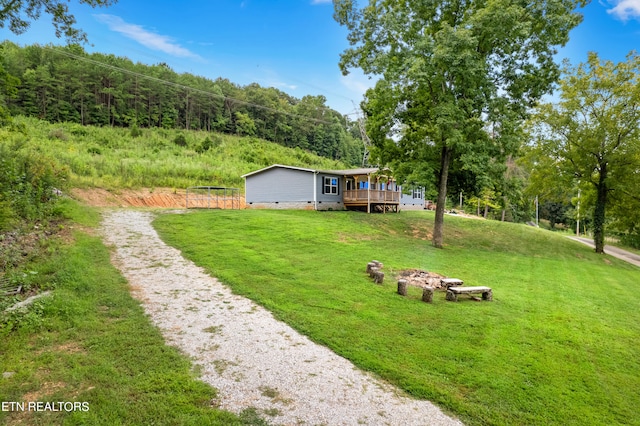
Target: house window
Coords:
[(330, 185), (417, 193)]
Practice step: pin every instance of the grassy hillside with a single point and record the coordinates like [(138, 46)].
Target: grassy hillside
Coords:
[(558, 345), (114, 158)]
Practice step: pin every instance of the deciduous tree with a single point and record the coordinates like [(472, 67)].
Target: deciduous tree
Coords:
[(18, 15), (594, 132), (455, 76)]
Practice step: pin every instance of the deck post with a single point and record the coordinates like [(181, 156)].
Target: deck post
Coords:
[(368, 193)]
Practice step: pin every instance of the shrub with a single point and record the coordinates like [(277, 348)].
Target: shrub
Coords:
[(58, 134), (631, 240), (78, 130), (135, 131), (94, 150), (28, 183), (180, 140), (208, 143)]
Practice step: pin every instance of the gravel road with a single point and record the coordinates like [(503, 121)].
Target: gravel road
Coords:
[(252, 359)]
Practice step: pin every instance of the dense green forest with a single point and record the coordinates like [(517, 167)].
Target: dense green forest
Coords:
[(66, 84)]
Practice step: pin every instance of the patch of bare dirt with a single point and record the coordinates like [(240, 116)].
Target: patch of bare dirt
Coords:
[(146, 197)]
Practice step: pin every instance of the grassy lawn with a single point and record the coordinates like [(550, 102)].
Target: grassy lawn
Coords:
[(90, 342), (558, 345)]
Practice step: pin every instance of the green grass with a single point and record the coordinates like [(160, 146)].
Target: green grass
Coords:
[(90, 341), (558, 345), (111, 158)]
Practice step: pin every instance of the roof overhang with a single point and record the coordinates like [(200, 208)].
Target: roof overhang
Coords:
[(346, 172)]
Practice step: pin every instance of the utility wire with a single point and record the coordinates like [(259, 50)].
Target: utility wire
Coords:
[(182, 86)]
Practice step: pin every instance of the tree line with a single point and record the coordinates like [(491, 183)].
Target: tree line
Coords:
[(66, 84)]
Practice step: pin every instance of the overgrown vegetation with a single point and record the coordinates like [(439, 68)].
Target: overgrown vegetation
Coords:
[(111, 158), (556, 346), (30, 184)]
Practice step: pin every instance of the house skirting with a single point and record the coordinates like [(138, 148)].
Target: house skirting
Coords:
[(296, 205), (411, 207)]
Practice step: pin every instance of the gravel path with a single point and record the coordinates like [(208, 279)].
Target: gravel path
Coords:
[(252, 359)]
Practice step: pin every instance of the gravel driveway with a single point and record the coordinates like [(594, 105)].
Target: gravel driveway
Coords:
[(252, 359)]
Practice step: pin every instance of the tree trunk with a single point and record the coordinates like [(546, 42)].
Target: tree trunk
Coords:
[(599, 211), (438, 227)]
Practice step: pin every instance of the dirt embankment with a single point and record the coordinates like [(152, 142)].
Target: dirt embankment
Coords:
[(157, 197)]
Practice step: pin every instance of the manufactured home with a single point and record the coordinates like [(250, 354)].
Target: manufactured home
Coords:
[(288, 187)]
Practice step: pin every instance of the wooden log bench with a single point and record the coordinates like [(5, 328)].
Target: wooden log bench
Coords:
[(453, 292), (7, 288), (450, 282)]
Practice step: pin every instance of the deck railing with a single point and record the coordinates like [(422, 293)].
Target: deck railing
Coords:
[(372, 195)]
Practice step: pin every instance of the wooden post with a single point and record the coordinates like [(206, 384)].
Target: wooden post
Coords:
[(402, 287), (378, 276), (370, 265), (427, 294)]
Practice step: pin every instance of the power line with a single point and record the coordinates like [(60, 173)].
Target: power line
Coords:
[(182, 86)]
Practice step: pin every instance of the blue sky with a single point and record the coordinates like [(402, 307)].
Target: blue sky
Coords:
[(293, 45)]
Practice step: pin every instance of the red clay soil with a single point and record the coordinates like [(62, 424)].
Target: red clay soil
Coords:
[(157, 197)]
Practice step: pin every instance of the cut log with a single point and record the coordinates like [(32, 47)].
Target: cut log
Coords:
[(372, 272), (369, 266), (427, 294), (378, 277), (402, 287)]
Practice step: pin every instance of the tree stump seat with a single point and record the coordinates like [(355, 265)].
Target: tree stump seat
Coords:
[(378, 276), (453, 292)]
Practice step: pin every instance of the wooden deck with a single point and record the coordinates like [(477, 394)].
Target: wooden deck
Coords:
[(377, 199)]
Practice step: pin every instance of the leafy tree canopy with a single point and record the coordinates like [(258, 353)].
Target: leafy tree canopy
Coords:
[(593, 135), (18, 15), (455, 77)]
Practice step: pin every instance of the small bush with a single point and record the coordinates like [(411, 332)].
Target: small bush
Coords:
[(180, 140), (208, 143), (28, 181), (78, 130), (135, 131), (94, 150), (58, 134)]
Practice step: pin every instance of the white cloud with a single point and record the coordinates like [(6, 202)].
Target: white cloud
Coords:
[(625, 9), (320, 1), (146, 38)]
